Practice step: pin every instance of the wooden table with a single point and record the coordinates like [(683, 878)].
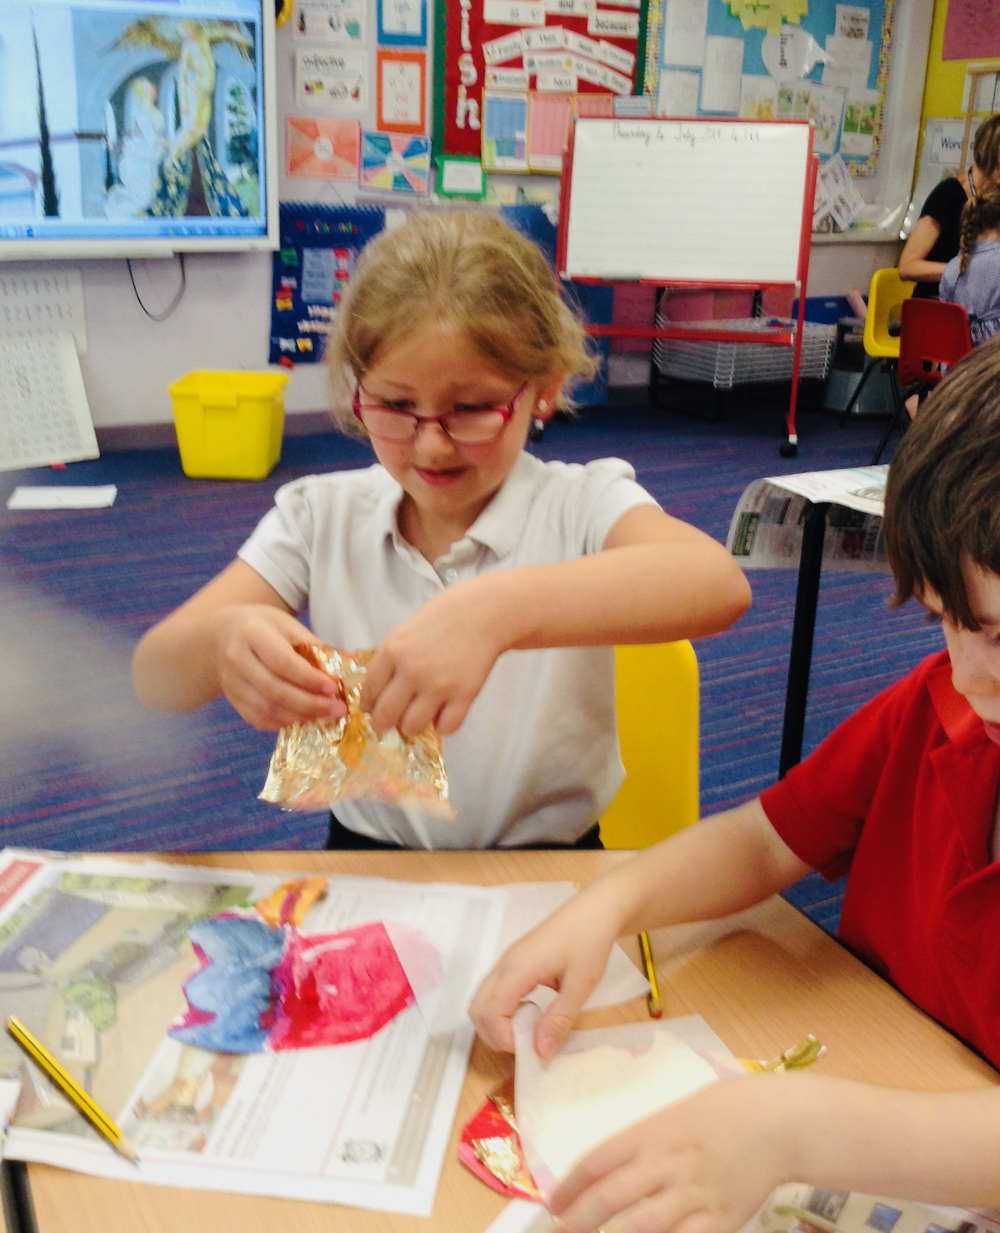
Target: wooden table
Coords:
[(762, 980)]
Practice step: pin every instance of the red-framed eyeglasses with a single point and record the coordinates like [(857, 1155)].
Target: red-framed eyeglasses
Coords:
[(466, 427)]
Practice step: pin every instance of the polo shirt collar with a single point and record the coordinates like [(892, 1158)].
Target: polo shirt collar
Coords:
[(501, 523), (498, 527), (959, 720), (970, 759)]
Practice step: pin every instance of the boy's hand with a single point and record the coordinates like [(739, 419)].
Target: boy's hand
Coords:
[(267, 682), (568, 953), (703, 1165), (430, 669)]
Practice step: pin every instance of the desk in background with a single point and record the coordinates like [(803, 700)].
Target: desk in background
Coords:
[(762, 979), (781, 523)]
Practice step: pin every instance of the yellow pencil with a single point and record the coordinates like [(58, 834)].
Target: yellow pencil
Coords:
[(65, 1082), (655, 1005)]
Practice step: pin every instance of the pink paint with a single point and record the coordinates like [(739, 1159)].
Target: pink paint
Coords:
[(335, 988)]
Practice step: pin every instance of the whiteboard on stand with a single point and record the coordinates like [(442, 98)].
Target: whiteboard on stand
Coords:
[(677, 201)]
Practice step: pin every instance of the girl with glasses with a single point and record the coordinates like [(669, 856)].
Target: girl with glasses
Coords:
[(494, 585)]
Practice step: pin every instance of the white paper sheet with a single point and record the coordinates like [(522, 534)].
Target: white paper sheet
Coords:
[(96, 496), (722, 74), (528, 904), (849, 62), (677, 93), (522, 1216), (102, 953), (684, 23), (600, 1082)]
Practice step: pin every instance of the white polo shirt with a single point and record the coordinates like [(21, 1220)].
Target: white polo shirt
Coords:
[(536, 759)]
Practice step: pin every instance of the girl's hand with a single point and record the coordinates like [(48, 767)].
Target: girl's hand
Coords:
[(568, 953), (267, 682), (703, 1165), (431, 668)]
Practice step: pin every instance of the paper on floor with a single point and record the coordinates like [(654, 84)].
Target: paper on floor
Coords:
[(94, 496)]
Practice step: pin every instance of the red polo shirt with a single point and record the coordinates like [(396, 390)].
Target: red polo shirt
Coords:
[(902, 795)]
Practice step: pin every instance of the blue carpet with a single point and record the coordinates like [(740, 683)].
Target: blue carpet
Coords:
[(85, 767)]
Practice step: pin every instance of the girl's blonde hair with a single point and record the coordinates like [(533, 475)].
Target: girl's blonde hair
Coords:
[(979, 214), (466, 270)]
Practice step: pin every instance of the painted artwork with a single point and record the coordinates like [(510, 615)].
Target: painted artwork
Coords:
[(264, 986), (396, 163), (343, 997), (318, 148), (160, 118)]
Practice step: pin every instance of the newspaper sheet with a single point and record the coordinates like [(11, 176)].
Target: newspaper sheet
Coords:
[(93, 958), (766, 529), (797, 1208)]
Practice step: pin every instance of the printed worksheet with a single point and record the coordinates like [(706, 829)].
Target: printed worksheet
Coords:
[(266, 1034)]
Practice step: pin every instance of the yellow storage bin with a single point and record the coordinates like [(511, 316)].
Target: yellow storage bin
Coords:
[(229, 424)]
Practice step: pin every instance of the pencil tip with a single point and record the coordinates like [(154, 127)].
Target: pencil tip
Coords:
[(127, 1150)]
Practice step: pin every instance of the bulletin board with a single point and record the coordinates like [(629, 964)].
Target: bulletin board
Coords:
[(818, 60), (354, 89), (855, 70)]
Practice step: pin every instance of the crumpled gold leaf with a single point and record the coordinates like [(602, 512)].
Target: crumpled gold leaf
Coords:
[(327, 760)]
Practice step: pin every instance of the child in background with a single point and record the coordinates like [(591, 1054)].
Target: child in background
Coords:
[(457, 548), (972, 279), (904, 796)]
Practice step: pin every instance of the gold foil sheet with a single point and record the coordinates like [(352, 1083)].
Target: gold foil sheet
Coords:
[(501, 1156), (319, 763)]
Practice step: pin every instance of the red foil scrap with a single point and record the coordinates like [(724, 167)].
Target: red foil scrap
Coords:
[(491, 1148), (327, 760)]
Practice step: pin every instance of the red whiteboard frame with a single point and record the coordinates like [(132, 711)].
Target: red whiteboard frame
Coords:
[(778, 337)]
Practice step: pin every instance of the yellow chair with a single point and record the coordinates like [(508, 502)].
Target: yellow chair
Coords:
[(886, 293), (656, 695)]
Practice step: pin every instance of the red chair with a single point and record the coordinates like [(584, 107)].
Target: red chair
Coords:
[(933, 336)]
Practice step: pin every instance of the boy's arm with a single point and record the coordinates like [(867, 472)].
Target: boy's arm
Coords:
[(718, 866), (233, 637), (708, 1162), (657, 580)]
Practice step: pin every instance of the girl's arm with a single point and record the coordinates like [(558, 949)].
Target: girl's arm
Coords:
[(233, 637), (658, 579), (707, 1163), (912, 260), (718, 866)]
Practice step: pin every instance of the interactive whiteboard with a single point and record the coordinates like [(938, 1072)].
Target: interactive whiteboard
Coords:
[(704, 201)]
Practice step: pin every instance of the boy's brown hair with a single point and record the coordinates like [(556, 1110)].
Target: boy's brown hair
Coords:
[(942, 498)]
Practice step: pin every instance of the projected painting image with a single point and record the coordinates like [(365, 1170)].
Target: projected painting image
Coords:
[(126, 115)]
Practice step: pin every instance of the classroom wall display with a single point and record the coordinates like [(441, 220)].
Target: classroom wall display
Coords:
[(347, 67), (557, 46), (311, 269), (824, 61), (401, 78), (323, 149), (337, 22), (393, 162), (971, 30), (853, 69)]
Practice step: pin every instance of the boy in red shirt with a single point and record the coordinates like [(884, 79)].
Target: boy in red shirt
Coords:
[(904, 795)]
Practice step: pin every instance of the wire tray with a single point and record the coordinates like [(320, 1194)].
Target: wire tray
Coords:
[(729, 364)]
